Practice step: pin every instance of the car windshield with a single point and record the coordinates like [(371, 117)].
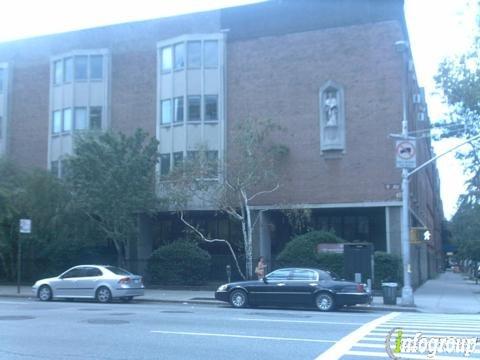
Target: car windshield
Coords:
[(118, 271)]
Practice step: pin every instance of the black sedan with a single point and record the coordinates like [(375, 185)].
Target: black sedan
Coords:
[(295, 287)]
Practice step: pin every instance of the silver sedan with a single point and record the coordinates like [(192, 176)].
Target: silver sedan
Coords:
[(99, 282)]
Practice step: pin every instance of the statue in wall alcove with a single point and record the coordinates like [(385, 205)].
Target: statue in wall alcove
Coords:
[(331, 108)]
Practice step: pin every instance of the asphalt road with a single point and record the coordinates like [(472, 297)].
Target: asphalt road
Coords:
[(60, 330)]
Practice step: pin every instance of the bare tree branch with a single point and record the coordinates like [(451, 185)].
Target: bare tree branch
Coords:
[(196, 231), (263, 192)]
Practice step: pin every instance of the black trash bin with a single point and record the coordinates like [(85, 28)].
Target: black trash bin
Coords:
[(389, 293)]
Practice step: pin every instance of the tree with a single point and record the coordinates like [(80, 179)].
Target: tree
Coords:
[(459, 79), (465, 228), (250, 171), (112, 177)]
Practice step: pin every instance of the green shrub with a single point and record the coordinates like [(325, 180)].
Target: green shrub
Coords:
[(180, 263), (388, 268), (301, 251)]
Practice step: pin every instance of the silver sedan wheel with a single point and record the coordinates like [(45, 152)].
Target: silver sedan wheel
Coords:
[(324, 302), (238, 298), (44, 293), (104, 295)]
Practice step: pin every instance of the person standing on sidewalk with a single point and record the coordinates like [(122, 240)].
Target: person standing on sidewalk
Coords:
[(260, 268)]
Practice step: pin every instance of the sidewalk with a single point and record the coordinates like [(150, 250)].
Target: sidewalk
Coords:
[(449, 293)]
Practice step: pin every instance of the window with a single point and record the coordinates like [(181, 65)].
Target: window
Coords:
[(65, 168), (74, 273), (91, 272), (57, 72), (2, 72), (301, 274), (178, 104), (211, 107), (212, 163), (54, 168), (194, 111), (96, 67), (177, 159), (68, 70), (281, 274), (57, 122), (95, 118), (210, 54), (80, 118), (164, 164), (166, 112), (192, 156), (166, 59), (194, 54), (324, 276), (179, 56), (67, 119), (81, 67)]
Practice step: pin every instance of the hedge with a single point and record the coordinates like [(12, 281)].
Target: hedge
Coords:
[(182, 262), (387, 268)]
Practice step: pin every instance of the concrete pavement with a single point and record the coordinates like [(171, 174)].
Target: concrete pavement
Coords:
[(448, 293)]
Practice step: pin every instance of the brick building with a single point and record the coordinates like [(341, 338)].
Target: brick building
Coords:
[(327, 71)]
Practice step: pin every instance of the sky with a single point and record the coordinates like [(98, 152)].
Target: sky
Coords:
[(437, 29)]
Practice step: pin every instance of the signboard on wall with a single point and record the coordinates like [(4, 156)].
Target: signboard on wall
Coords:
[(330, 248)]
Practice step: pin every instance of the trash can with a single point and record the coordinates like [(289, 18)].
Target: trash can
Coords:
[(389, 293)]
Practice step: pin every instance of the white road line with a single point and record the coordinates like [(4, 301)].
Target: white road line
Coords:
[(241, 336), (384, 355), (429, 326), (300, 321), (346, 343)]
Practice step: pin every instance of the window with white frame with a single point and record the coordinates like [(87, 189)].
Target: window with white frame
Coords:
[(211, 107), (167, 59), (57, 122), (2, 77), (164, 164), (95, 118), (178, 109), (80, 118), (194, 108), (78, 68), (166, 111), (67, 119), (179, 56), (210, 54), (194, 54)]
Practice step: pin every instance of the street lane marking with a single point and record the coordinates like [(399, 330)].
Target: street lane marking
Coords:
[(300, 321), (346, 343), (426, 331), (241, 336)]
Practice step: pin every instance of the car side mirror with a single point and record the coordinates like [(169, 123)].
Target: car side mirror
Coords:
[(265, 280)]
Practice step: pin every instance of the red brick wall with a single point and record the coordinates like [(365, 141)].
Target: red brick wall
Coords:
[(279, 78)]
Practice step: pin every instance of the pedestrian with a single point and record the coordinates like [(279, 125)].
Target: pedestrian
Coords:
[(260, 268)]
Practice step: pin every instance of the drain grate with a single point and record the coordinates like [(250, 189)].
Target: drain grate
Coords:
[(107, 322), (16, 317)]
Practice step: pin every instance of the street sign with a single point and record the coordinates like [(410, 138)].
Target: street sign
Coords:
[(25, 226), (406, 154)]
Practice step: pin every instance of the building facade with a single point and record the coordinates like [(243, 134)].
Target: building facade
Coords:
[(328, 72)]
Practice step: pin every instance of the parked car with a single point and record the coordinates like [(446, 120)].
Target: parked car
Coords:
[(295, 286), (99, 282)]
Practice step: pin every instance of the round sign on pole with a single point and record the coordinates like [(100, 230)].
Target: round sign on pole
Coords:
[(406, 155)]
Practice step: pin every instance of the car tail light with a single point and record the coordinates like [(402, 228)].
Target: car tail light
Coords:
[(123, 281), (360, 288)]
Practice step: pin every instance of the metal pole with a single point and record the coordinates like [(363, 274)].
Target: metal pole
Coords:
[(19, 260), (407, 292)]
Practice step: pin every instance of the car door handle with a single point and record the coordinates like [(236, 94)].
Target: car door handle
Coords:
[(281, 284)]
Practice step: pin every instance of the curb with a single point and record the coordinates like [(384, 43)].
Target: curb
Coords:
[(215, 302)]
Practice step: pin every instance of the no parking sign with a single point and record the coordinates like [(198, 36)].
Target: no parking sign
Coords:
[(406, 154)]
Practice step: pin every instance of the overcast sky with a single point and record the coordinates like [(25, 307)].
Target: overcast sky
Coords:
[(438, 28)]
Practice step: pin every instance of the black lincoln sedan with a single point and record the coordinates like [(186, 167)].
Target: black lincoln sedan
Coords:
[(295, 286)]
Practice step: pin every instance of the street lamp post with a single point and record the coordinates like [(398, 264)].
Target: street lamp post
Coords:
[(407, 292)]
